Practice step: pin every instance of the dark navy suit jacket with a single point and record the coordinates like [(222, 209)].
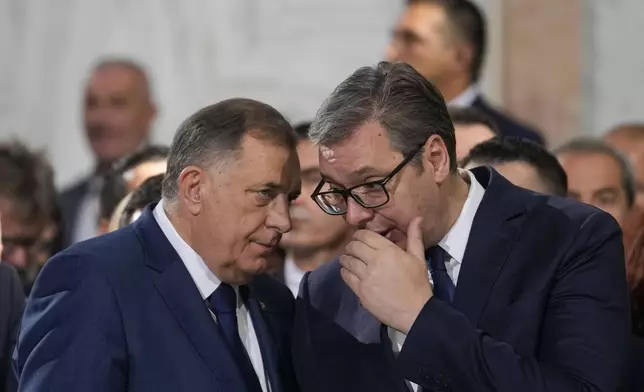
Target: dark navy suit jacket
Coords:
[(12, 302), (507, 125), (541, 304), (121, 313)]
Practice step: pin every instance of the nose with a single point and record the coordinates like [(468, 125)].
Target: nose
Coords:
[(356, 214), (278, 217)]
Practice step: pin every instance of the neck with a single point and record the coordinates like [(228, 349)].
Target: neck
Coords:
[(181, 225), (454, 191), (310, 259), (454, 87)]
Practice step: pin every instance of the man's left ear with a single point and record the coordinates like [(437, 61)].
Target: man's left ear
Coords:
[(436, 158)]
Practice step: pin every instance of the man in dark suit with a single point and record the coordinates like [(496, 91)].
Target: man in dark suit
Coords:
[(522, 162), (12, 302), (118, 117), (445, 41), (458, 280), (176, 301)]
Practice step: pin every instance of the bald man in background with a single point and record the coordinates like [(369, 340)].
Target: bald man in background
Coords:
[(629, 140), (118, 117)]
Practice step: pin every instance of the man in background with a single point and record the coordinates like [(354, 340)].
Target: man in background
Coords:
[(179, 301), (149, 192), (118, 118), (598, 175), (471, 127), (629, 140), (455, 280), (28, 208), (445, 41), (524, 163), (125, 176), (316, 238)]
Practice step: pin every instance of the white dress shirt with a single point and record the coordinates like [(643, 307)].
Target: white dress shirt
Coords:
[(466, 98), (293, 275), (454, 244), (207, 283), (89, 211)]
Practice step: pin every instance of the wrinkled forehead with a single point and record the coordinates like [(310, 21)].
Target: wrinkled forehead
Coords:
[(347, 161)]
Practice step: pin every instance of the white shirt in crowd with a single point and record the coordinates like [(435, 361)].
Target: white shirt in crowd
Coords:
[(454, 244), (207, 283), (466, 98), (293, 275), (89, 210)]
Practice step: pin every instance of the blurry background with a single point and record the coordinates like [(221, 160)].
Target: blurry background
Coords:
[(568, 67)]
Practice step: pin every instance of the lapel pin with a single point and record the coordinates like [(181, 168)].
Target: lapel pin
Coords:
[(262, 305)]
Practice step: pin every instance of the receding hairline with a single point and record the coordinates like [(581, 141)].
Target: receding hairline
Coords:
[(142, 77)]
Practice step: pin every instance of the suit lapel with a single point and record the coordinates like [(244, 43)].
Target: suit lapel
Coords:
[(178, 290), (267, 344), (494, 232)]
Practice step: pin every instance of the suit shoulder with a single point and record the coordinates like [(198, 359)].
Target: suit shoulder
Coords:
[(325, 284), (109, 254), (581, 223), (509, 125)]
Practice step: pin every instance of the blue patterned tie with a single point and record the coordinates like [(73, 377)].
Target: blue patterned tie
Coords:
[(443, 286), (223, 303)]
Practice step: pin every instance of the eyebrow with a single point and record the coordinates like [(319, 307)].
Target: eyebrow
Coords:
[(365, 171)]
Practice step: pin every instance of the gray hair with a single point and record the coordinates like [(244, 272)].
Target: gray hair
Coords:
[(407, 106), (128, 64), (598, 146), (215, 133)]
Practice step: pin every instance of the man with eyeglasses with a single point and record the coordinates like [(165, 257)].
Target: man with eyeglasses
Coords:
[(456, 280)]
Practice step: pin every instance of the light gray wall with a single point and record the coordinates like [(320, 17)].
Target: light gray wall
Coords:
[(289, 53), (615, 62)]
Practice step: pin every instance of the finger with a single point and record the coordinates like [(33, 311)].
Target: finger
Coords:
[(371, 238), (415, 244), (360, 250), (354, 265), (350, 279)]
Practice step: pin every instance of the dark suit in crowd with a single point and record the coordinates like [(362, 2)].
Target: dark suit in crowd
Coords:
[(540, 305), (507, 126), (12, 303), (70, 200)]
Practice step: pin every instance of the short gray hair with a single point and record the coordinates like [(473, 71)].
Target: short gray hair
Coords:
[(408, 106), (597, 146), (215, 133), (129, 64)]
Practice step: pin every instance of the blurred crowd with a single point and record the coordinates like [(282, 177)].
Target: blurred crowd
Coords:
[(447, 46)]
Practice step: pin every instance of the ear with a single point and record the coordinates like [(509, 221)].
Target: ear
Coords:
[(436, 158), (193, 180)]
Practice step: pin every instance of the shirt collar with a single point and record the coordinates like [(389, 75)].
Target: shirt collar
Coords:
[(203, 277), (455, 241), (292, 274), (466, 98)]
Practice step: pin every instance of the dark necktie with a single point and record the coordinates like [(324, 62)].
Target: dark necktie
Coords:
[(443, 286), (223, 303)]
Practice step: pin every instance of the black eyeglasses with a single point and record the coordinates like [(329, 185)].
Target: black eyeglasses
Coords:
[(371, 194)]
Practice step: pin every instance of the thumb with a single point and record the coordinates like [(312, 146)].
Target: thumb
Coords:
[(415, 245)]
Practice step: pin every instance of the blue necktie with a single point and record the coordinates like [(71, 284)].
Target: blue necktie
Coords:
[(443, 286), (223, 303)]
